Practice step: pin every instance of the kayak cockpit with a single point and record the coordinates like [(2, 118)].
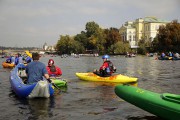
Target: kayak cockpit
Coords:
[(171, 97)]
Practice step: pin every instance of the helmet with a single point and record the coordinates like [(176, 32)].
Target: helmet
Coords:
[(105, 57), (51, 61)]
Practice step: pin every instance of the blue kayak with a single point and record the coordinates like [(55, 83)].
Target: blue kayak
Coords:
[(22, 90)]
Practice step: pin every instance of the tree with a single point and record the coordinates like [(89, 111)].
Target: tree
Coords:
[(91, 28), (142, 47), (120, 47), (95, 36), (112, 37), (67, 45), (168, 38), (82, 38)]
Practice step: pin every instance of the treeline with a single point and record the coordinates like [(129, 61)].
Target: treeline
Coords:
[(109, 41), (93, 38)]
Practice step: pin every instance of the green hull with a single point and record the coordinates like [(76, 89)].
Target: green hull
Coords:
[(59, 82), (164, 105)]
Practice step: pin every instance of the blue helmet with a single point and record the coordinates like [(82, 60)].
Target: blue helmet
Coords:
[(105, 57)]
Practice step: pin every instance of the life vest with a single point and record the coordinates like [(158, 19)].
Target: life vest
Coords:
[(110, 67), (53, 70)]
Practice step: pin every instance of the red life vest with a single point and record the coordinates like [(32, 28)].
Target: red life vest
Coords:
[(107, 64), (53, 70)]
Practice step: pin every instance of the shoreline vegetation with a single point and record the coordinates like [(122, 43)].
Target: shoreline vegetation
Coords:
[(108, 41)]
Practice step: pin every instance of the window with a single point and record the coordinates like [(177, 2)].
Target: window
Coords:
[(157, 27)]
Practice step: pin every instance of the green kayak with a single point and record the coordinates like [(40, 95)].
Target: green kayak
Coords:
[(166, 105), (59, 82)]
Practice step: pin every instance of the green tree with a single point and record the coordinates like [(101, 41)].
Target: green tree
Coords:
[(95, 36), (120, 47), (168, 38), (91, 28), (142, 47), (112, 37), (82, 38), (67, 45)]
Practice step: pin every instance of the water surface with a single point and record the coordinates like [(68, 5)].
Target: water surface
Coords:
[(91, 100)]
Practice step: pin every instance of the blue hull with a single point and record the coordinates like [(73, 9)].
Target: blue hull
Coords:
[(23, 90)]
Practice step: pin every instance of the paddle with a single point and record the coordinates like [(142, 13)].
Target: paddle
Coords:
[(53, 84), (56, 86)]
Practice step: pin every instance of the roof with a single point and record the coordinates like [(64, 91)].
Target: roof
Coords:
[(154, 20)]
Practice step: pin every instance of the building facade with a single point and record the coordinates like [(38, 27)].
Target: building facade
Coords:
[(146, 29), (48, 48)]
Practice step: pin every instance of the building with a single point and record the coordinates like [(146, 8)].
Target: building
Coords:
[(48, 48), (45, 46), (128, 33), (146, 29)]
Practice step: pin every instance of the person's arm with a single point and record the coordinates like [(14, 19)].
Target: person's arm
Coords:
[(102, 67), (59, 72), (46, 75), (48, 78)]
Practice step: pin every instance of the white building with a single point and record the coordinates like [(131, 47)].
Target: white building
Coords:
[(48, 48), (128, 33), (146, 29)]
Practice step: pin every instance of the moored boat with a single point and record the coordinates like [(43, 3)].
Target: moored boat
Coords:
[(168, 58), (39, 89), (164, 105), (114, 78), (8, 65)]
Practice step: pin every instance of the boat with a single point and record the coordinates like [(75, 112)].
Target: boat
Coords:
[(168, 58), (114, 78), (175, 58), (28, 53), (165, 105), (59, 82), (22, 90), (8, 65)]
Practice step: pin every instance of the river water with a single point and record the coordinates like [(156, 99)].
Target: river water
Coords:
[(83, 100)]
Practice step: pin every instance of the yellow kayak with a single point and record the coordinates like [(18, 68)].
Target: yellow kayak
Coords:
[(8, 65), (115, 78), (28, 53)]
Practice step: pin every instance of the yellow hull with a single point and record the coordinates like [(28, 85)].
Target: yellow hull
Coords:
[(8, 65), (115, 78), (28, 53)]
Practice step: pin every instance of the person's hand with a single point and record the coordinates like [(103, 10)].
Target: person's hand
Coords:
[(114, 69), (49, 80)]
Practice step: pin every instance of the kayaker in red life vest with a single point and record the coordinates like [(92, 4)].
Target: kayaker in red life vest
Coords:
[(107, 67), (53, 70)]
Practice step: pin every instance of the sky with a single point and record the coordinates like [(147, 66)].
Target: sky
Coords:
[(31, 23)]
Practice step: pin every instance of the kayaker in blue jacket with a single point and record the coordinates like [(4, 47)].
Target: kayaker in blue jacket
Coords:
[(11, 59), (28, 59), (36, 70), (8, 60), (16, 59)]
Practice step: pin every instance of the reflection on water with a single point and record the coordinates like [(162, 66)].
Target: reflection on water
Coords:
[(40, 108), (83, 100)]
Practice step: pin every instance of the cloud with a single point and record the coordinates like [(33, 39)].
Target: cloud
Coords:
[(44, 20)]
